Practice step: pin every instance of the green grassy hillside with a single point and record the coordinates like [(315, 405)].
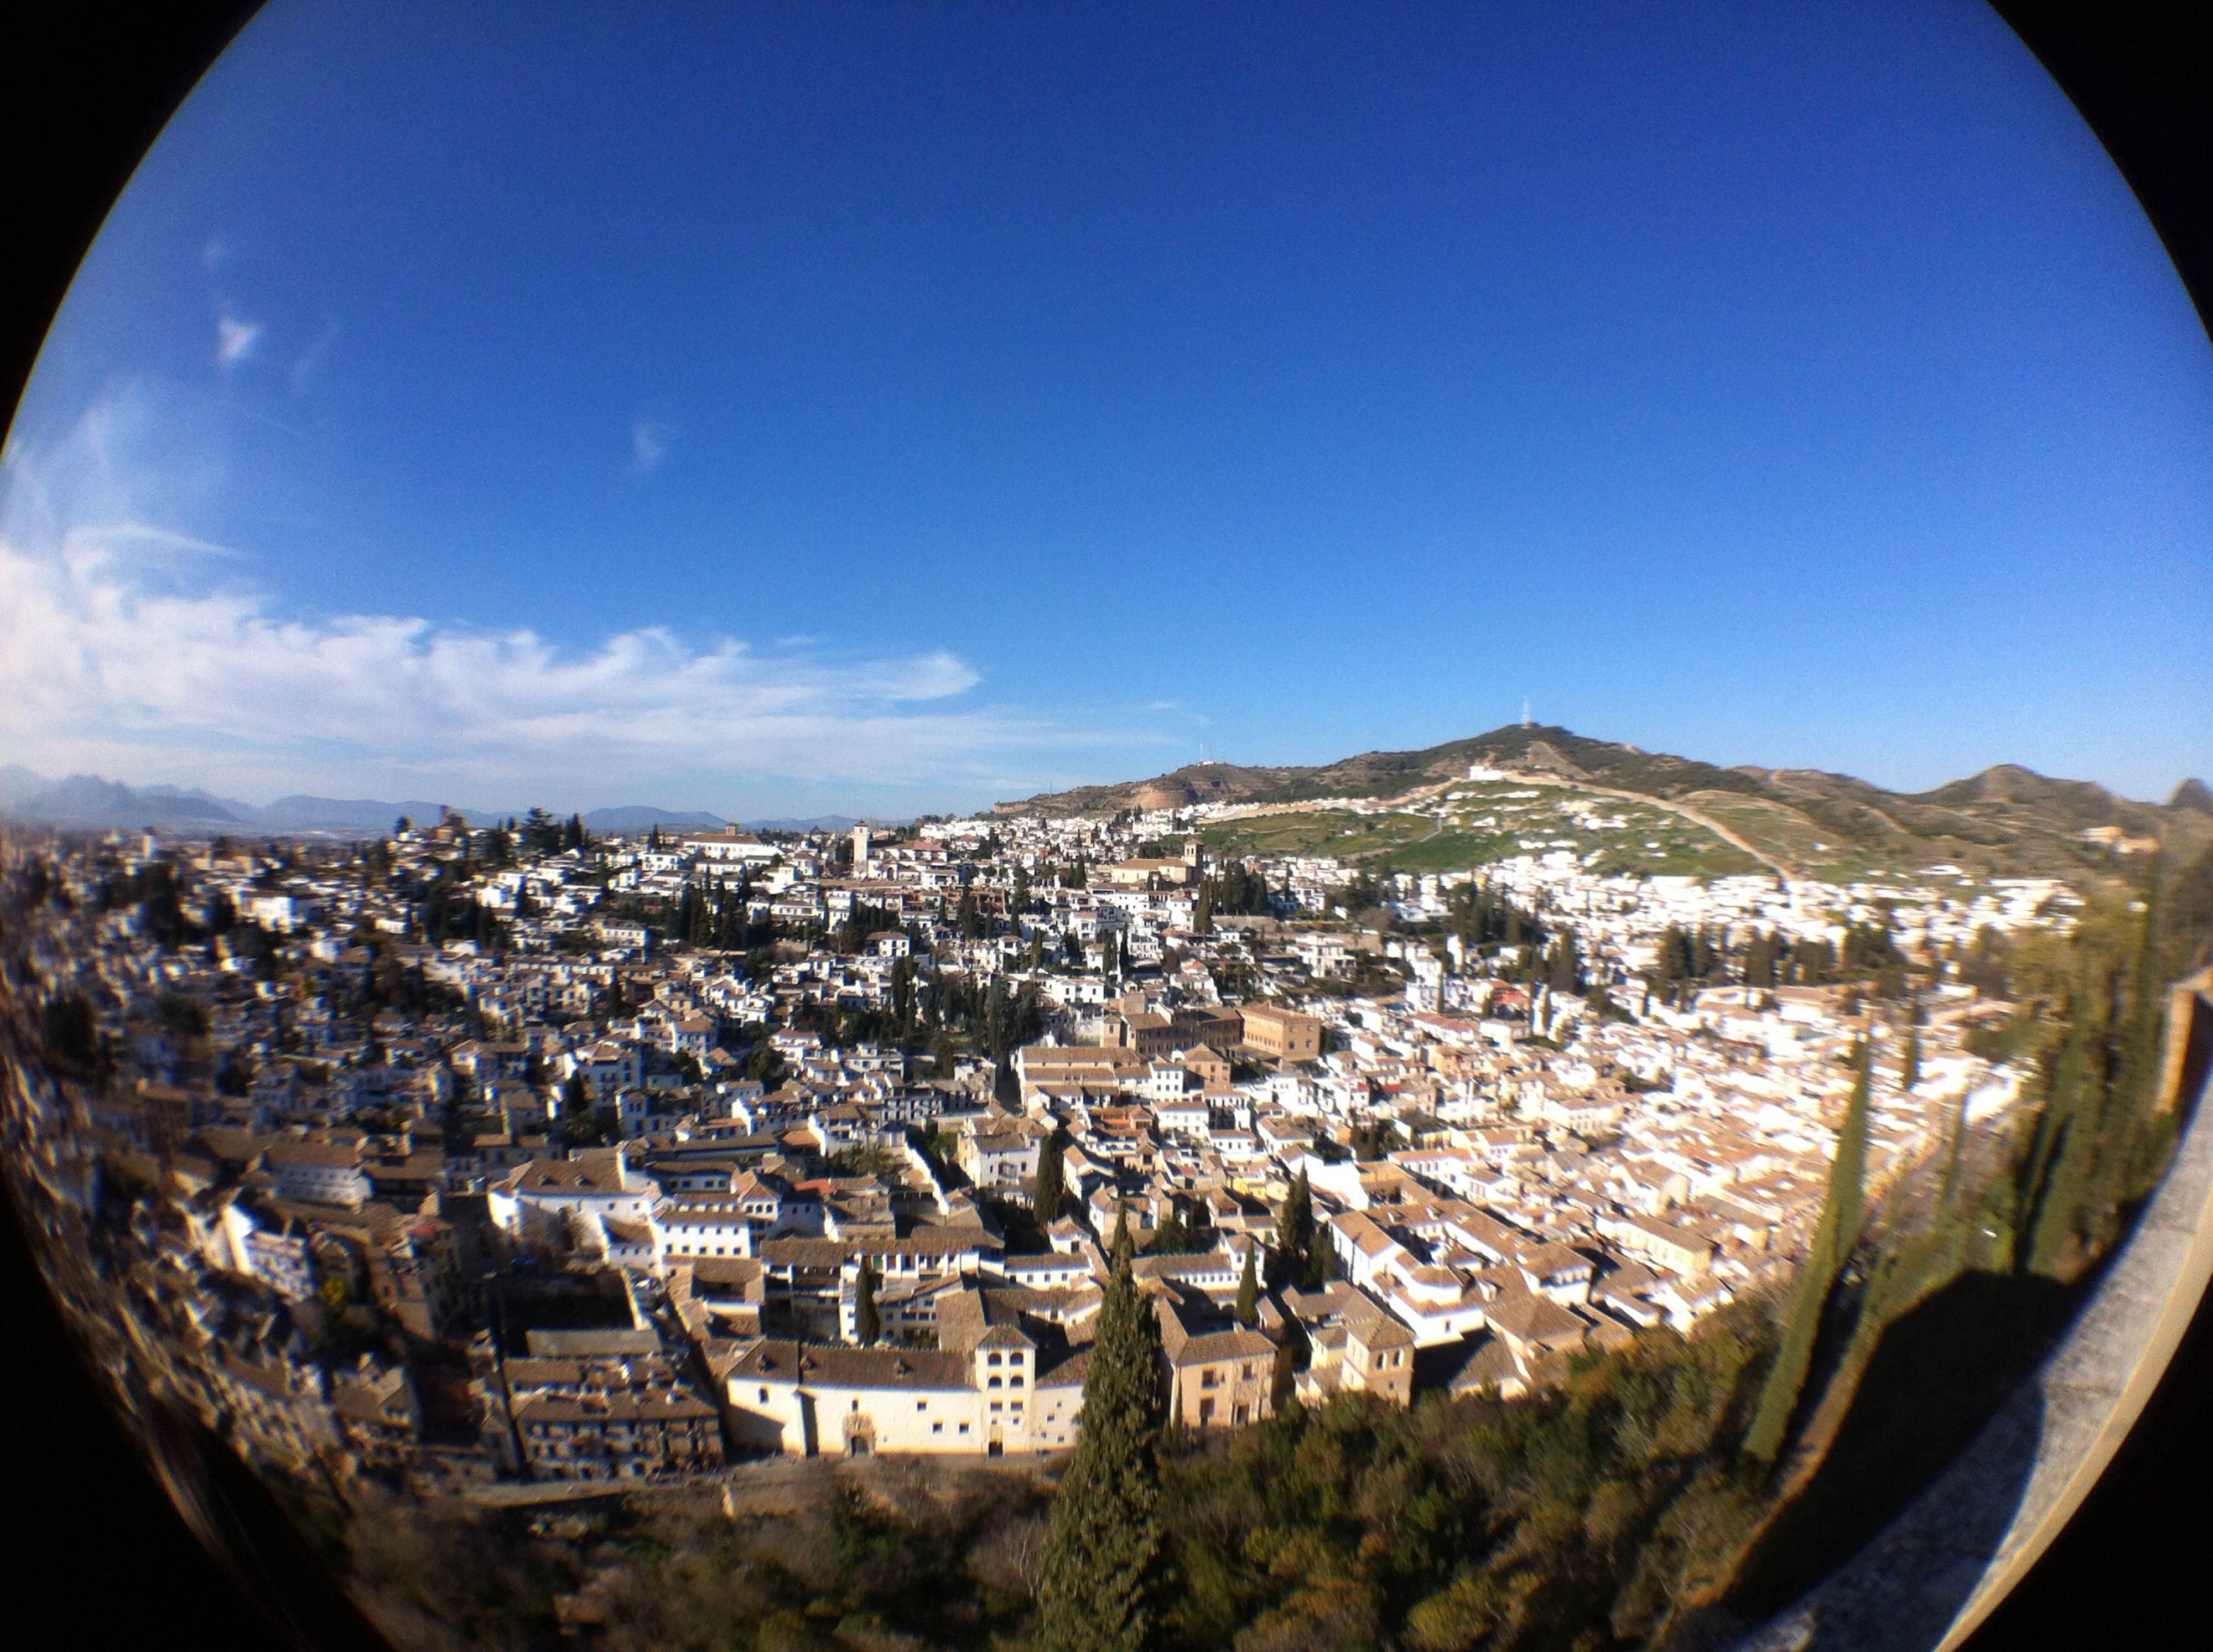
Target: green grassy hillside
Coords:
[(2005, 821)]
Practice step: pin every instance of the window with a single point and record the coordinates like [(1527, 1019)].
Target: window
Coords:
[(938, 1428), (992, 1359), (996, 1406), (1015, 1380), (964, 1428), (1245, 1370), (856, 1404), (922, 1404), (994, 1382)]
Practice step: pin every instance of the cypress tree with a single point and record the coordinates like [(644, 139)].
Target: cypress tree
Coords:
[(1101, 1576), (1321, 1263), (2141, 1134), (1047, 1188), (1248, 1291), (1833, 1233), (867, 1323), (2137, 1069), (2061, 1196), (1953, 1155), (2056, 1123), (1294, 1231), (1171, 1237)]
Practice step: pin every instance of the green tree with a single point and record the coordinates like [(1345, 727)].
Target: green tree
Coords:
[(1048, 1190), (1320, 1257), (765, 1066), (578, 1122), (867, 1323), (1171, 1237), (2053, 1183), (2138, 1146), (1100, 1579), (541, 832), (1295, 1229), (1833, 1233), (1248, 1291)]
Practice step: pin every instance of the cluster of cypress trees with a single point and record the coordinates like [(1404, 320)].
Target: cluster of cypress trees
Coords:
[(2095, 1146), (1481, 917), (719, 918), (1235, 887), (2096, 1141), (1301, 1255)]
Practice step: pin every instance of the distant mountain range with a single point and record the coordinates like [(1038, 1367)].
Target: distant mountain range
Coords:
[(642, 817), (88, 802), (2005, 820)]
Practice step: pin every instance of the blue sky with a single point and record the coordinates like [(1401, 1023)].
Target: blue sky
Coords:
[(890, 408)]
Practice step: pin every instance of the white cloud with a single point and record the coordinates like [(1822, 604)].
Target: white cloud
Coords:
[(135, 649), (649, 445), (96, 656), (235, 341), (213, 253)]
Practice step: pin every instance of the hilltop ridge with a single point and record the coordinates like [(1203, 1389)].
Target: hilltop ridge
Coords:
[(2005, 819)]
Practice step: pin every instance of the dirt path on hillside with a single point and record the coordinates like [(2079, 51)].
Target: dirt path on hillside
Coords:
[(1783, 869), (1433, 793)]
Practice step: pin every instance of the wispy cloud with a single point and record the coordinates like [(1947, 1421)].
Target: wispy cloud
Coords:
[(649, 445), (213, 252), (133, 649), (235, 341), (310, 360)]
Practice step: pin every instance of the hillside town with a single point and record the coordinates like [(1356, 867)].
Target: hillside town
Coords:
[(488, 1152)]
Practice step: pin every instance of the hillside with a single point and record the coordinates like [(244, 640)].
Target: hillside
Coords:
[(2005, 821)]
